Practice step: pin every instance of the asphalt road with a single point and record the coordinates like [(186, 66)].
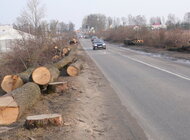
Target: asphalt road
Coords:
[(155, 90)]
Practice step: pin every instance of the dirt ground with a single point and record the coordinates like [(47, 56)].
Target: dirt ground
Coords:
[(90, 108)]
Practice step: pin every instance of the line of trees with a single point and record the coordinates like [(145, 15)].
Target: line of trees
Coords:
[(100, 22), (31, 20), (46, 41)]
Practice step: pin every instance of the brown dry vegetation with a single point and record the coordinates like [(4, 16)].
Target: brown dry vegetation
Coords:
[(32, 52), (162, 38)]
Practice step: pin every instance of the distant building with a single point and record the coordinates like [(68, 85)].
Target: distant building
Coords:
[(158, 26), (8, 35)]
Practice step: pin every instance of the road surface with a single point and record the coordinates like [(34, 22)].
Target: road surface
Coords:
[(155, 90)]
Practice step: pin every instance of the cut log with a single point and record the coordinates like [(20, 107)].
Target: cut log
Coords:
[(75, 68), (9, 110), (66, 51), (46, 74), (11, 82), (43, 120), (55, 58), (13, 105), (67, 60), (57, 87)]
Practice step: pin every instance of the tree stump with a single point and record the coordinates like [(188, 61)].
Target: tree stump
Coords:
[(43, 120)]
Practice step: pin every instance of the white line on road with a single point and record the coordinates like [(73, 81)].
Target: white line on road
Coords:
[(155, 67)]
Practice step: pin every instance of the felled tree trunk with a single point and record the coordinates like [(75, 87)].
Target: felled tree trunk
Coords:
[(11, 82), (43, 120), (67, 60), (13, 105), (26, 75), (46, 74), (75, 68)]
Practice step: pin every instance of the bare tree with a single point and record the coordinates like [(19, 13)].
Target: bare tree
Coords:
[(109, 22), (32, 15), (62, 27), (53, 27), (155, 20), (130, 20), (116, 22), (140, 20), (96, 21), (187, 17), (172, 21), (71, 27), (124, 21)]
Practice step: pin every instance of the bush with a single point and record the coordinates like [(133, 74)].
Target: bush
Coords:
[(154, 38), (32, 52)]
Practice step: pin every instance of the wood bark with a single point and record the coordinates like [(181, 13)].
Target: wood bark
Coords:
[(46, 74), (11, 82), (68, 59), (75, 68), (26, 75), (14, 104), (43, 120)]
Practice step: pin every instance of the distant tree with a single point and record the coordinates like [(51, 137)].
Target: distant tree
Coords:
[(172, 21), (187, 17), (155, 20), (130, 20), (96, 21), (109, 22), (62, 27), (71, 27), (116, 22), (53, 26), (43, 29), (32, 16), (140, 20), (124, 21)]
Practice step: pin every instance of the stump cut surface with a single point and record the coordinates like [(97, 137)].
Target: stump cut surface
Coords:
[(41, 76)]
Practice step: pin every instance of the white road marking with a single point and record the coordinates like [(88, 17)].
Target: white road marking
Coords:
[(156, 67), (161, 69)]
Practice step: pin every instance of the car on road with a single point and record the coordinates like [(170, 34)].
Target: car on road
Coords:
[(94, 38), (86, 36), (98, 43)]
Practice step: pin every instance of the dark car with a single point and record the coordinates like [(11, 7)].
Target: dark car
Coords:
[(94, 38), (87, 36), (98, 43)]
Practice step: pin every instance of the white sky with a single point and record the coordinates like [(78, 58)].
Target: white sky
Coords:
[(75, 10)]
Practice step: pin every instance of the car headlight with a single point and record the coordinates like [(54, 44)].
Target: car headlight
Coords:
[(104, 44), (95, 44)]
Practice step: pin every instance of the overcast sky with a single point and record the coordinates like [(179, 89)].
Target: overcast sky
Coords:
[(75, 10)]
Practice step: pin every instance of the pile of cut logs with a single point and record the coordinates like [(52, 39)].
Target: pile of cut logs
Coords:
[(24, 89)]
